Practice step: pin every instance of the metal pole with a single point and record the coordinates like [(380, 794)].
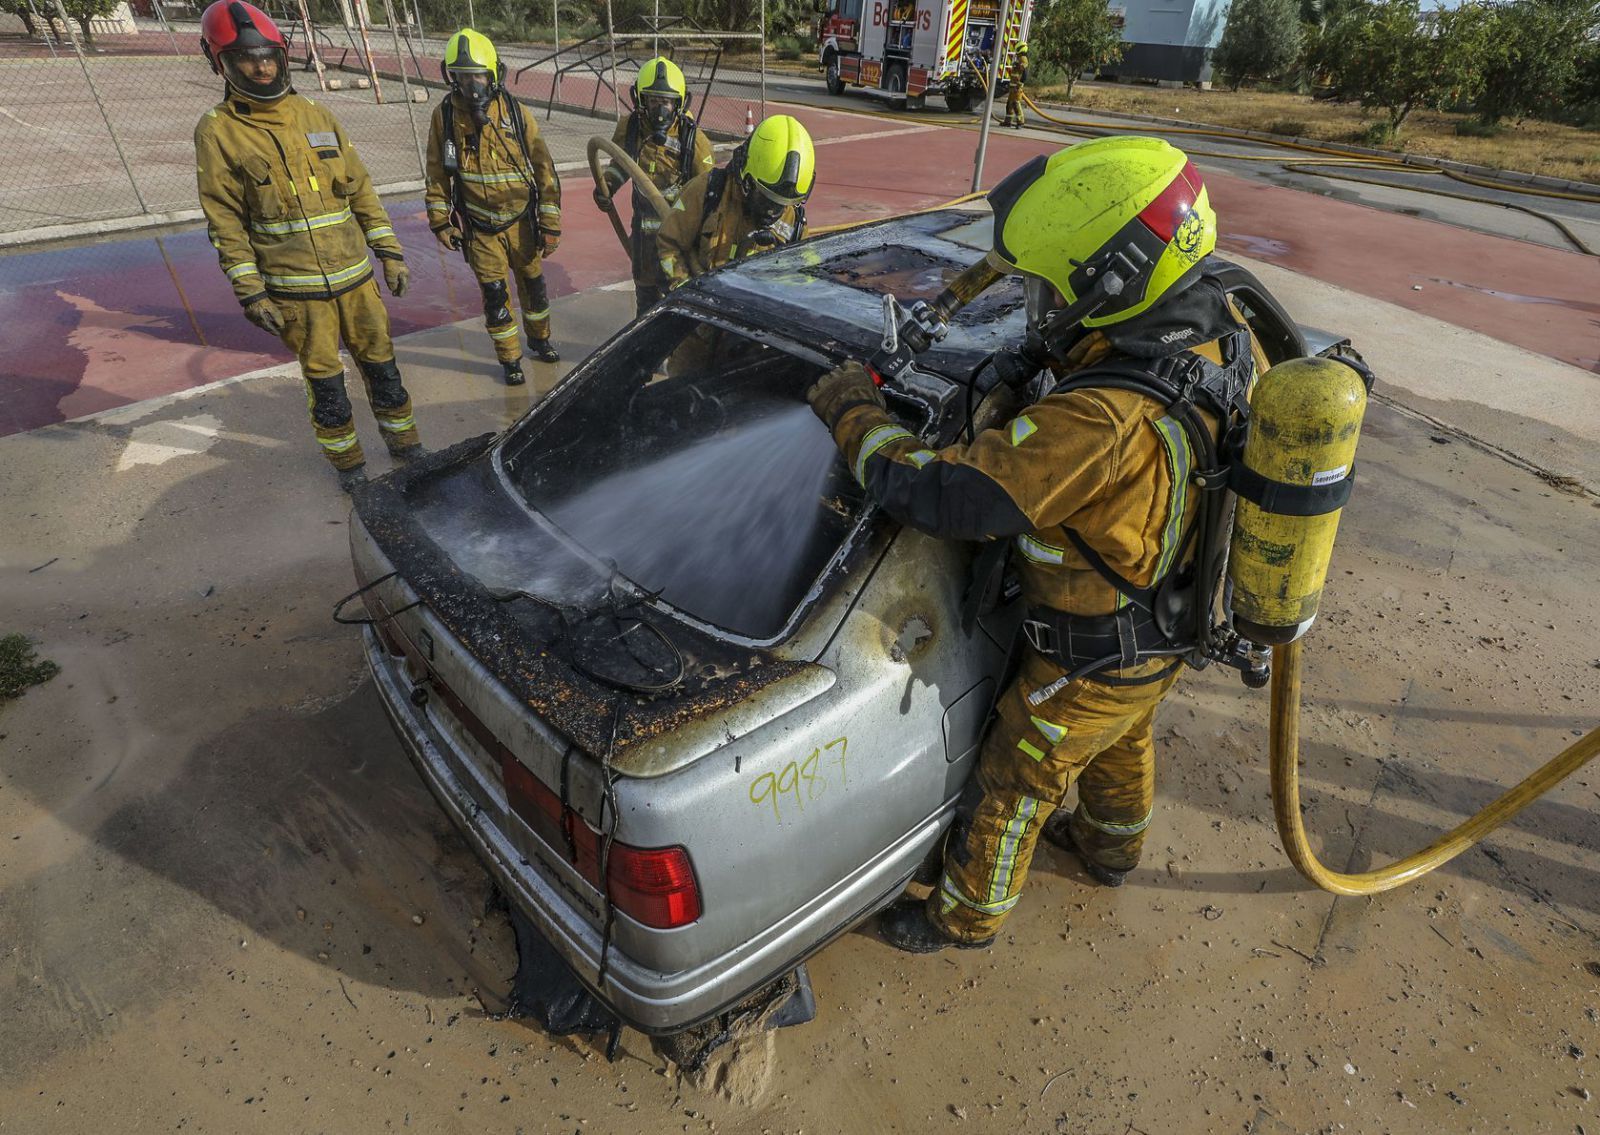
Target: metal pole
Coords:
[(472, 21), (366, 43), (611, 39), (763, 59), (311, 45), (405, 85), (161, 18), (47, 26), (93, 90), (988, 98)]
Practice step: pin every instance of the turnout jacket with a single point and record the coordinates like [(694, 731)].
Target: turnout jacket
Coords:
[(666, 163), (289, 205), (694, 240), (496, 179), (1108, 464)]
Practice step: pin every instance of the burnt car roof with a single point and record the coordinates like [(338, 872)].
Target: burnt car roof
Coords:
[(829, 290)]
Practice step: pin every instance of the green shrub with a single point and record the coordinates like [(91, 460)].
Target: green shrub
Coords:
[(1473, 128), (1290, 127), (19, 668)]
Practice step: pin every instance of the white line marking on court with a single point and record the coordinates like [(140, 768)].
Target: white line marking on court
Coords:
[(878, 134), (156, 443)]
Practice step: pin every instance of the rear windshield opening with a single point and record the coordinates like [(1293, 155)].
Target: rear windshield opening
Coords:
[(689, 458)]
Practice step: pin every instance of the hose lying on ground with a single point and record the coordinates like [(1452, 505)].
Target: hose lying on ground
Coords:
[(1285, 747)]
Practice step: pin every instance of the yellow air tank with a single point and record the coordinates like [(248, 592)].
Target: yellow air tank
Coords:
[(1305, 420)]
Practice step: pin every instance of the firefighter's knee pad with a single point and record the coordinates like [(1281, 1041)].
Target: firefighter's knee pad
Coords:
[(538, 297), (955, 844), (330, 405), (496, 302), (385, 389)]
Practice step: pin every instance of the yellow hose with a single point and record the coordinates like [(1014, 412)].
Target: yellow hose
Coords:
[(1285, 747), (647, 188)]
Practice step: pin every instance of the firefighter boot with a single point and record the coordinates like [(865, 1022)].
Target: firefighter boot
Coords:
[(1058, 830), (352, 479), (906, 926), (536, 316), (391, 405), (512, 369)]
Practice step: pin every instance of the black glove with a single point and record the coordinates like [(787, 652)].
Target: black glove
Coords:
[(842, 390), (1017, 368)]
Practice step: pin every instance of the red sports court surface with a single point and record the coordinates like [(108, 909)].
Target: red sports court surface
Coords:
[(101, 325)]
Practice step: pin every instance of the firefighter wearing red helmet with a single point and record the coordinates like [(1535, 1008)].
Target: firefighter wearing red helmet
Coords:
[(292, 214)]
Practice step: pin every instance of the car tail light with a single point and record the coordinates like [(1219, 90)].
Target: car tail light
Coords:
[(654, 886)]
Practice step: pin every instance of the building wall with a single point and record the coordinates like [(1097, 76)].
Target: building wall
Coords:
[(1169, 39)]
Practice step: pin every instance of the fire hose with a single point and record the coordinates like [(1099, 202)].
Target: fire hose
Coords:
[(641, 181)]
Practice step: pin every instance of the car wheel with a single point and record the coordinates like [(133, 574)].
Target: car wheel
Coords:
[(830, 65)]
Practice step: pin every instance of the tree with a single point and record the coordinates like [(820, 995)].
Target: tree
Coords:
[(86, 11), (1075, 35), (1261, 40), (1533, 53), (1389, 55)]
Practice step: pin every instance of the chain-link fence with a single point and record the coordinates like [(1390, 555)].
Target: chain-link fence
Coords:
[(98, 101)]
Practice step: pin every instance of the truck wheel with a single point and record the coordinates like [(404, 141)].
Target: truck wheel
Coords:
[(958, 102), (894, 82), (830, 66)]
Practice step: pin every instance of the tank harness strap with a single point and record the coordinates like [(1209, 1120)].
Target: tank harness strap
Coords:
[(1285, 499)]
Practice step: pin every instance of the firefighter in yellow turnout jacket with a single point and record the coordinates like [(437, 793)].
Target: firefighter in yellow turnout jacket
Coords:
[(1092, 485), (493, 193), (755, 202), (1019, 81), (292, 213), (663, 138)]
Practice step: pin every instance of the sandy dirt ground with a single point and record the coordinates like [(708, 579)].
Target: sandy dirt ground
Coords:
[(227, 904)]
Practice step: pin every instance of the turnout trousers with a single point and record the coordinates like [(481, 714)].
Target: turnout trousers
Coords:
[(313, 330), (495, 258), (1099, 737), (1014, 105)]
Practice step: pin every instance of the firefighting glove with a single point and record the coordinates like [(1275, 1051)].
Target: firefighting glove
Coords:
[(842, 390), (549, 242), (265, 315), (602, 199), (1016, 368), (449, 238), (397, 276)]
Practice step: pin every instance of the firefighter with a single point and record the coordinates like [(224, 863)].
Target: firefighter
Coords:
[(663, 138), (292, 213), (493, 193), (756, 201), (1091, 487), (1019, 77)]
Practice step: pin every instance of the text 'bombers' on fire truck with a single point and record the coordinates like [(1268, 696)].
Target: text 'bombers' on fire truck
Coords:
[(914, 48)]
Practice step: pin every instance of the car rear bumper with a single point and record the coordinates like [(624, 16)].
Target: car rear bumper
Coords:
[(647, 999)]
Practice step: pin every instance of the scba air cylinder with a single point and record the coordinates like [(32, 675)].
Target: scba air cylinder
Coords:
[(1296, 474)]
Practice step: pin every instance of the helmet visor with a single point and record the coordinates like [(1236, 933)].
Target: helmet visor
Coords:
[(765, 206), (474, 86), (260, 73), (1041, 298)]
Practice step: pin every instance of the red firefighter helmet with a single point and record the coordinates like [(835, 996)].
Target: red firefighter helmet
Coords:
[(239, 38)]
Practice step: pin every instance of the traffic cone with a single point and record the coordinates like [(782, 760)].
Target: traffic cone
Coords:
[(749, 121)]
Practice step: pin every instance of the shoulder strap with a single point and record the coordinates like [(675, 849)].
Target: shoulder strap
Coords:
[(716, 186), (686, 133), (630, 140)]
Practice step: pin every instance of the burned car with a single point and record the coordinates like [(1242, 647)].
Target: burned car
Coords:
[(698, 705)]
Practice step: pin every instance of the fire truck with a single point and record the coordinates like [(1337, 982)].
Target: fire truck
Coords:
[(911, 49)]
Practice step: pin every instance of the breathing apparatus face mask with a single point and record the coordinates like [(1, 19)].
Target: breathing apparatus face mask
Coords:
[(762, 206), (659, 111), (477, 88), (260, 73)]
